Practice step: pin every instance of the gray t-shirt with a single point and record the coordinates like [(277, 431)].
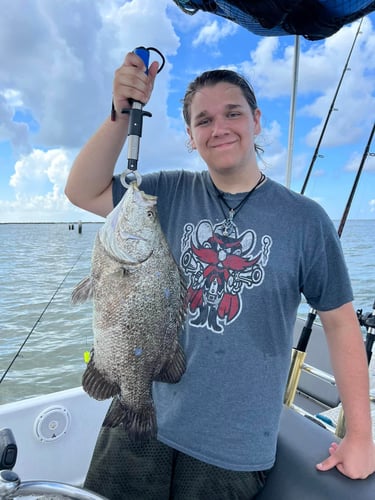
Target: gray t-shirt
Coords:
[(244, 290)]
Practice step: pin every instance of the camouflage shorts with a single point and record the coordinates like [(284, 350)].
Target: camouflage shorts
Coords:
[(149, 470)]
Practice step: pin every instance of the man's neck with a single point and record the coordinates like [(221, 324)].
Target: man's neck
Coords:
[(235, 183)]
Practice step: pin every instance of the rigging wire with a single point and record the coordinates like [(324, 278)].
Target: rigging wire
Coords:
[(39, 318)]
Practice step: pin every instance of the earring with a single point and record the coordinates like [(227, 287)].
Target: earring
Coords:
[(189, 146)]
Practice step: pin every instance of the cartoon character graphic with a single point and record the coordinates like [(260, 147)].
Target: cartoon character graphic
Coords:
[(219, 267)]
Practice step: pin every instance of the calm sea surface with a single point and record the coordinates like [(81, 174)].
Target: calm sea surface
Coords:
[(39, 266)]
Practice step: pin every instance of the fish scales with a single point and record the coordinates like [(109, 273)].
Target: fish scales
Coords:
[(139, 305)]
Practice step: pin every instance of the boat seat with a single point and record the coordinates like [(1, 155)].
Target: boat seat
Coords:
[(301, 445), (309, 386)]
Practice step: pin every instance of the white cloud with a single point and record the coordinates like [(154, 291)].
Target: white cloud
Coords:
[(372, 206), (270, 69), (38, 183), (213, 32), (65, 76), (10, 130), (275, 154), (51, 207), (41, 172), (269, 73), (56, 83), (58, 67), (351, 119), (355, 161), (320, 63)]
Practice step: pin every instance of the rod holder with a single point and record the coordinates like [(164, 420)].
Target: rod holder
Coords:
[(298, 358)]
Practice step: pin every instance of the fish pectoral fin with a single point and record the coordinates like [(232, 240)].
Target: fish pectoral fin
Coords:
[(83, 291), (96, 384), (173, 369)]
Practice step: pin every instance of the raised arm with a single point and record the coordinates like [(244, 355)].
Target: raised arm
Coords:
[(355, 455), (89, 185)]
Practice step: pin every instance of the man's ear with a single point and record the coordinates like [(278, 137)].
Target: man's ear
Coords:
[(256, 115), (191, 140)]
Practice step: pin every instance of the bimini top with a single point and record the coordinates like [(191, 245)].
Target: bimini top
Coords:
[(312, 19)]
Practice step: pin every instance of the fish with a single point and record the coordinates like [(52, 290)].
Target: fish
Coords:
[(139, 306)]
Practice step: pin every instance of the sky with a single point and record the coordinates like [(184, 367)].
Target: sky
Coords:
[(57, 61)]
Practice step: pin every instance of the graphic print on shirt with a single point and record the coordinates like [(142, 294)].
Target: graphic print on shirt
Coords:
[(218, 268)]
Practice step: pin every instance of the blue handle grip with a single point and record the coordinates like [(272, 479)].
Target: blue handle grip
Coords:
[(144, 54)]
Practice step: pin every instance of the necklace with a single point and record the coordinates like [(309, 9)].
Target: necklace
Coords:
[(228, 226)]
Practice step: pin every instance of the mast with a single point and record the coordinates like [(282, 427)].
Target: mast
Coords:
[(292, 113)]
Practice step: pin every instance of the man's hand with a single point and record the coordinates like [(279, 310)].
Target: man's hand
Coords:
[(131, 82), (353, 457)]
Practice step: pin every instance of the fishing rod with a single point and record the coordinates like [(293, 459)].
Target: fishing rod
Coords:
[(368, 321), (356, 180), (299, 352), (331, 109), (136, 114), (39, 319)]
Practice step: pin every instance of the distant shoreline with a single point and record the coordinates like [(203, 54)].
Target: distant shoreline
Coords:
[(102, 221), (67, 222)]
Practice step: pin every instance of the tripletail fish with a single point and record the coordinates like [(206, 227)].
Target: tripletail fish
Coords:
[(139, 307)]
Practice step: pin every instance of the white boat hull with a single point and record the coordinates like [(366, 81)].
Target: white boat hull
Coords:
[(72, 417)]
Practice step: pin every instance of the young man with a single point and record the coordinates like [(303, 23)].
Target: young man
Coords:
[(247, 253)]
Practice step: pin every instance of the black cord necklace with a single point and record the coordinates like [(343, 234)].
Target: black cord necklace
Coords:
[(228, 222)]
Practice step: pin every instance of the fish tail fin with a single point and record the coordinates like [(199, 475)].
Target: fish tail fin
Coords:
[(139, 424), (173, 370), (96, 384)]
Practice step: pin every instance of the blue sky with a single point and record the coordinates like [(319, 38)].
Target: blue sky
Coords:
[(56, 71)]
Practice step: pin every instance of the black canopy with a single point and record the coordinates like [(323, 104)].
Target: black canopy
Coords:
[(312, 19)]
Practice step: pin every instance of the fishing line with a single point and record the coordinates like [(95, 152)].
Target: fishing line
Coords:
[(39, 318)]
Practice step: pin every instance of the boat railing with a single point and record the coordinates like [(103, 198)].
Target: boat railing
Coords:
[(12, 487), (311, 387), (322, 375)]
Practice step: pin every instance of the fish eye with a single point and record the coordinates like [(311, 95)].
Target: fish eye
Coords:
[(150, 214)]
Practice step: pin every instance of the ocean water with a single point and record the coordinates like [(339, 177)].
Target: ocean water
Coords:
[(40, 264), (43, 336)]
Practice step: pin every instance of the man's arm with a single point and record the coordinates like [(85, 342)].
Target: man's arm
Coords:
[(355, 455), (89, 185)]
